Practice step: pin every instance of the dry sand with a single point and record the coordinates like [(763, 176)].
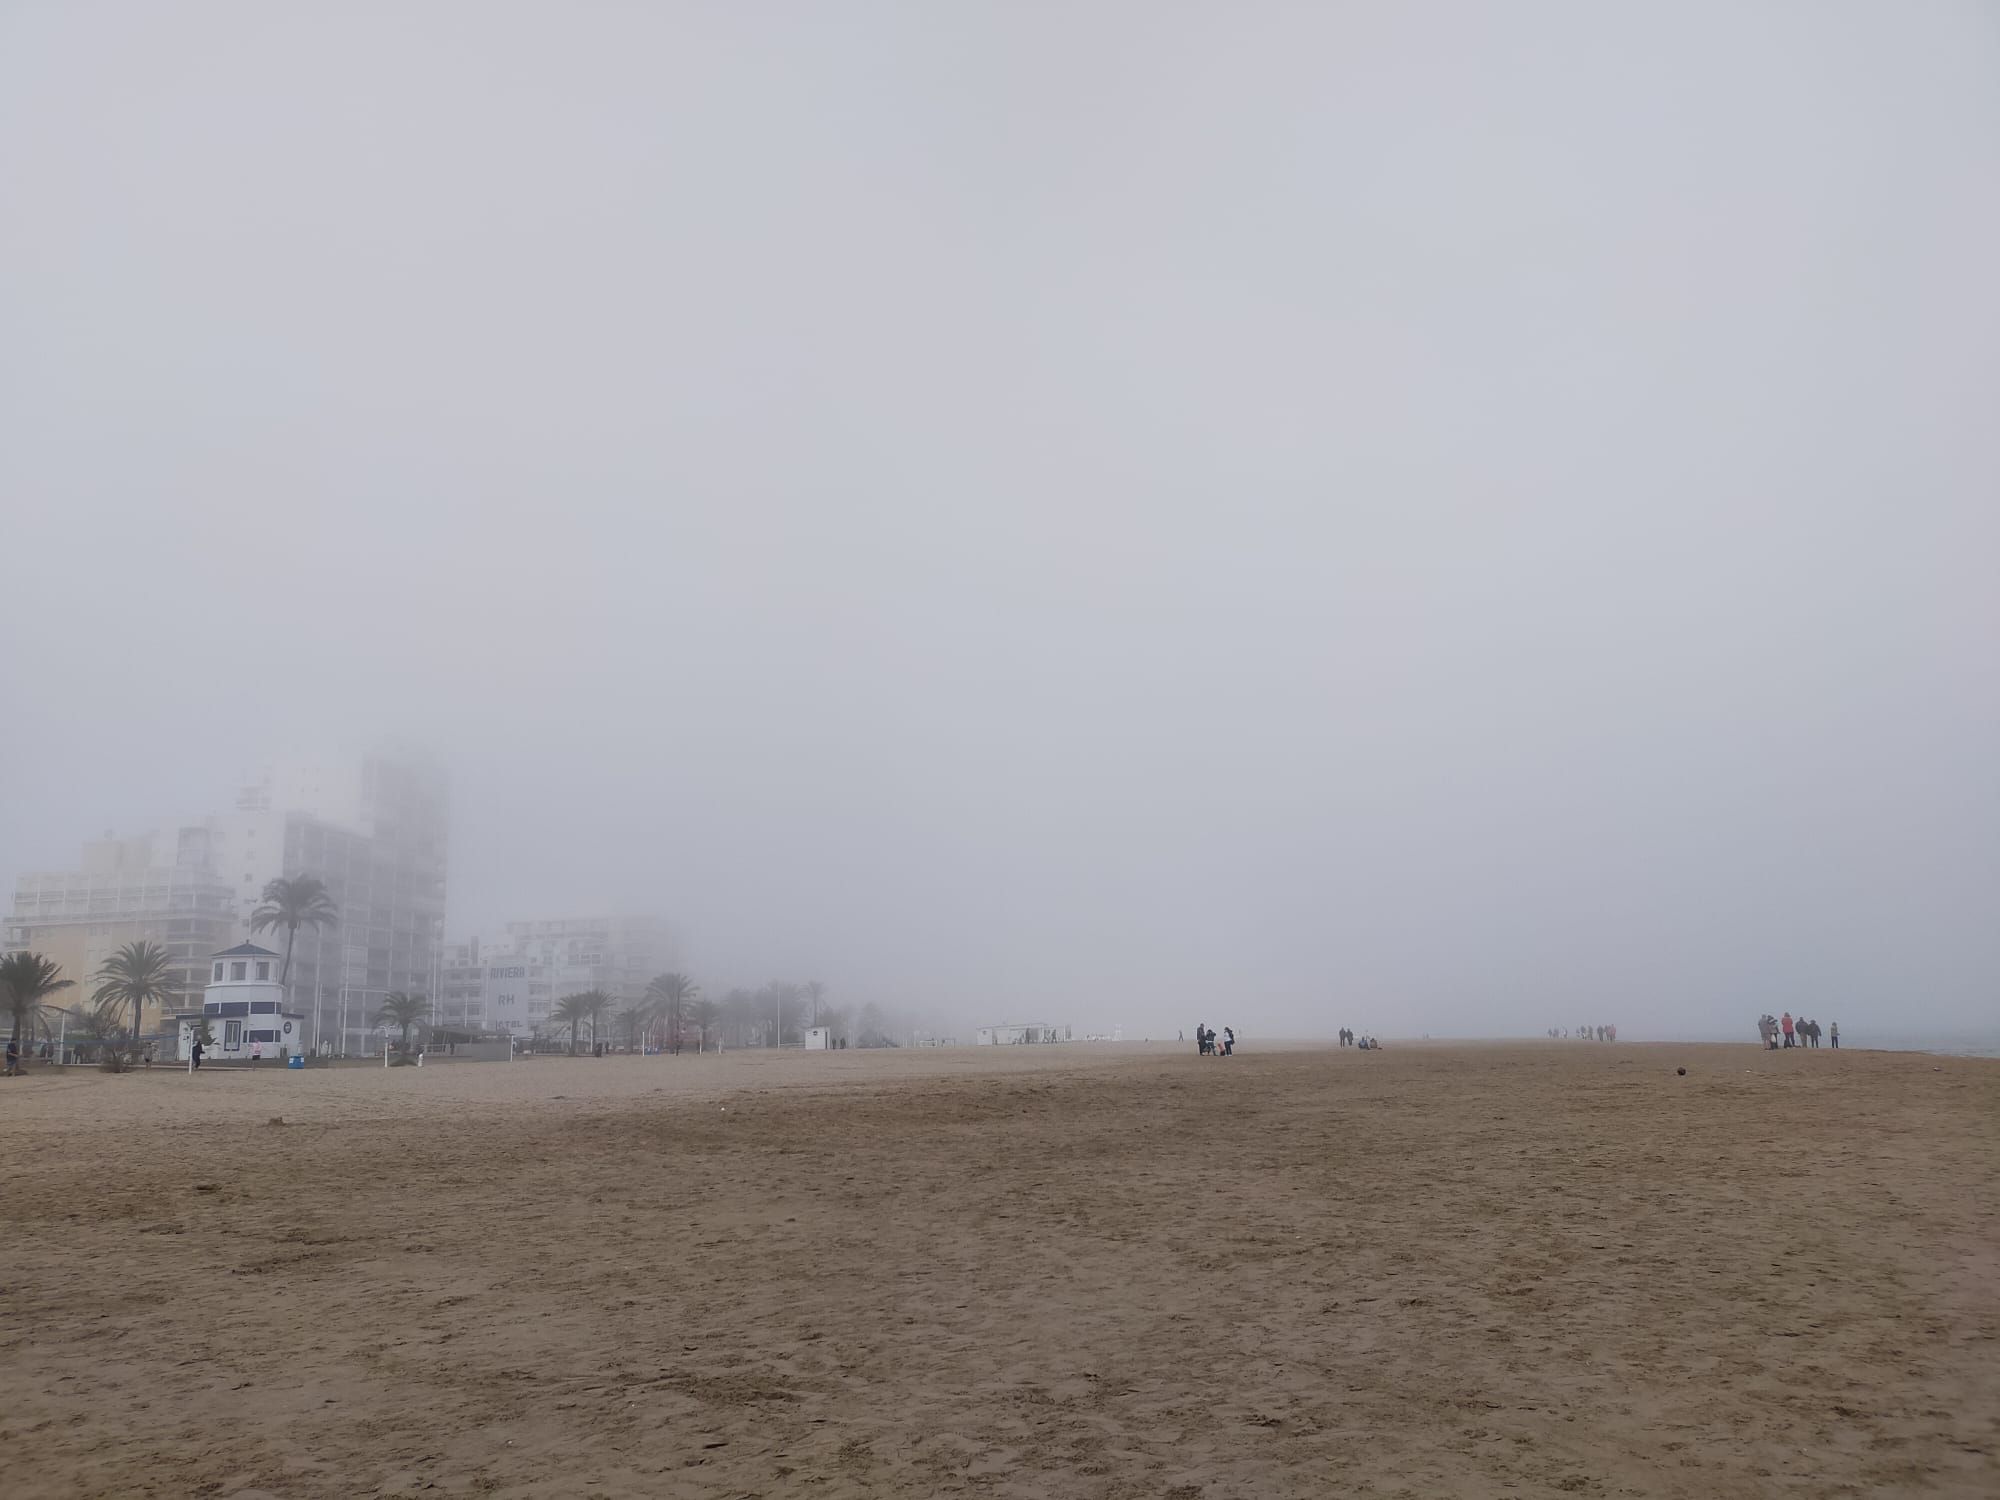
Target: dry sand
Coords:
[(1472, 1271)]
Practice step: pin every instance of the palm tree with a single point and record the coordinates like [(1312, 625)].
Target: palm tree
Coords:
[(739, 1012), (136, 975), (705, 1013), (672, 992), (574, 1010), (104, 1025), (292, 904), (399, 1009), (569, 1012), (25, 979), (595, 1003), (637, 1018)]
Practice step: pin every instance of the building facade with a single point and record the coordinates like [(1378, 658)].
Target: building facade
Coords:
[(124, 891), (509, 982), (374, 831)]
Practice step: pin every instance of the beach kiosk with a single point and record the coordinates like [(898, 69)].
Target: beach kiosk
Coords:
[(243, 1008), (1021, 1034)]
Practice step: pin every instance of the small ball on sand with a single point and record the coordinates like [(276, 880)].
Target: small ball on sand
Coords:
[(1682, 1071)]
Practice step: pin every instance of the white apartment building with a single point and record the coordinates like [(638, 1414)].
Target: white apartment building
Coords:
[(509, 982), (374, 831), (123, 891)]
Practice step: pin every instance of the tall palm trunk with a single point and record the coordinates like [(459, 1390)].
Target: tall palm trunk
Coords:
[(285, 986)]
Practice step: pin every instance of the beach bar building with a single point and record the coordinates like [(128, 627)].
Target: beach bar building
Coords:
[(1021, 1034), (243, 1008)]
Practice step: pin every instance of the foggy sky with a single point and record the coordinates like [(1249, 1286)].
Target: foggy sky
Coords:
[(1438, 518)]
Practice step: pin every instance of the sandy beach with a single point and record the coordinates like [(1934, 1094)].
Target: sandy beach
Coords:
[(1083, 1271)]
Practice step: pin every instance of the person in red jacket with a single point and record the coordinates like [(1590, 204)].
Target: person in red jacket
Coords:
[(1785, 1024)]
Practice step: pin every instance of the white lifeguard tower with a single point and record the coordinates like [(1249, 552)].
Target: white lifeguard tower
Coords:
[(243, 1007)]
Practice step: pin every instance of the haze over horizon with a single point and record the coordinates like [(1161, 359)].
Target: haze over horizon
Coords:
[(1119, 515)]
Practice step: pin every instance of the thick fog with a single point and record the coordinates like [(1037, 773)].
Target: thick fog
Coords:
[(1451, 519)]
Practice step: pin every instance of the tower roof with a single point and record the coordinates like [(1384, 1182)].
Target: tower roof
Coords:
[(244, 950)]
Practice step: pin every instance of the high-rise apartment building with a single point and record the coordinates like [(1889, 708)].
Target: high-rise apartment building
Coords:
[(510, 982), (125, 891), (374, 831)]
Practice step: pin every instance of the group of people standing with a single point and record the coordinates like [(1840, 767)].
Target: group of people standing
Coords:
[(1365, 1043), (1799, 1033), (1207, 1045), (1585, 1033)]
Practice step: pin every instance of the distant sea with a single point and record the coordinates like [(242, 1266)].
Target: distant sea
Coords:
[(1949, 1044), (1960, 1044), (1986, 1044)]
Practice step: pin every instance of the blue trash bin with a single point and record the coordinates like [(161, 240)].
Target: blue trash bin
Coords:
[(296, 1060)]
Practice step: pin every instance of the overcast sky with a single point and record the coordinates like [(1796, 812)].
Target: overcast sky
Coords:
[(1460, 518)]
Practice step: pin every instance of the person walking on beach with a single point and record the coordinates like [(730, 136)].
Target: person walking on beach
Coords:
[(1833, 1035), (13, 1067), (1785, 1025), (195, 1051), (1228, 1041)]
